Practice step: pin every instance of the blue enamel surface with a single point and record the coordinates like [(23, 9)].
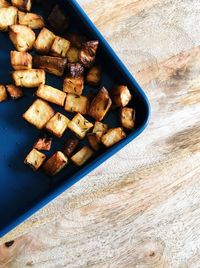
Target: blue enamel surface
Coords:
[(23, 192)]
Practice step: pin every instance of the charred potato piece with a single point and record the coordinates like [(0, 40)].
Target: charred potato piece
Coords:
[(70, 146), (82, 156), (8, 17), (24, 5), (4, 3), (53, 65), (35, 159), (58, 20), (31, 20), (100, 105), (44, 41), (3, 93), (80, 126), (88, 53), (14, 92), (55, 164), (94, 76), (29, 78), (76, 104), (76, 39), (75, 70), (94, 138), (127, 117), (51, 94), (43, 143), (22, 37), (60, 47), (73, 55), (39, 113), (113, 136), (57, 124), (121, 96), (21, 60)]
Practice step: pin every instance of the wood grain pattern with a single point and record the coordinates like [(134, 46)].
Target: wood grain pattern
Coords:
[(141, 208)]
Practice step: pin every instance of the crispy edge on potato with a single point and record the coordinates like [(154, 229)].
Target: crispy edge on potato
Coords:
[(44, 41), (32, 20), (70, 146), (3, 93), (80, 126), (43, 143), (57, 124), (93, 76), (113, 136), (100, 105), (29, 78), (121, 96), (88, 52), (39, 113), (127, 117), (73, 55), (22, 37), (58, 21), (53, 65), (82, 156), (76, 104), (35, 159), (60, 47), (20, 60), (8, 17), (94, 138), (14, 92), (4, 3), (24, 5), (55, 164), (51, 94)]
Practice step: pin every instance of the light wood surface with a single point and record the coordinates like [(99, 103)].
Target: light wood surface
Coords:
[(141, 208)]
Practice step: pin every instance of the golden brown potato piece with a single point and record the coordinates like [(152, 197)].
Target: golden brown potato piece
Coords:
[(76, 104), (94, 76), (8, 17), (58, 20), (57, 124), (32, 20), (127, 117), (113, 136), (39, 113), (21, 60), (51, 94), (35, 159), (44, 41), (70, 146), (60, 47), (121, 96), (100, 105), (82, 156), (29, 78), (43, 143), (76, 39), (4, 3), (22, 37), (55, 164), (24, 5), (53, 65), (14, 92), (80, 126), (94, 138), (3, 93), (88, 53), (73, 55)]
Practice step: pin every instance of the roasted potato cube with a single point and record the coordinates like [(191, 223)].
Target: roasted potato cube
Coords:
[(43, 143), (44, 41), (21, 60), (57, 124), (100, 105), (3, 93), (32, 20), (88, 53), (70, 146), (53, 65), (51, 94), (82, 156), (113, 136), (35, 159), (8, 17), (29, 78), (127, 117), (58, 20), (76, 39), (121, 96), (55, 164), (80, 126), (73, 85), (93, 141), (24, 5), (4, 3), (94, 76), (99, 128), (14, 92), (76, 104), (75, 70), (22, 37), (94, 138), (39, 113), (60, 47), (73, 55)]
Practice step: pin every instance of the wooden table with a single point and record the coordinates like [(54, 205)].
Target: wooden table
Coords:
[(142, 207)]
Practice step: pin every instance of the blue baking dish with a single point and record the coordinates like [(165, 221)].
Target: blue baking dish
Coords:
[(22, 191)]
